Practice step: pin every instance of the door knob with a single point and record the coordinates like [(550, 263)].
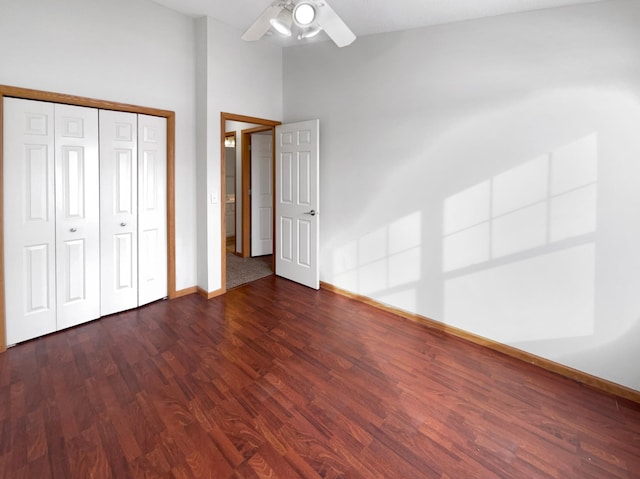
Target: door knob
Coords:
[(123, 224), (312, 212), (73, 230)]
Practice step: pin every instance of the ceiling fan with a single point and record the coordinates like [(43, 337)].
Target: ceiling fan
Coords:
[(309, 16)]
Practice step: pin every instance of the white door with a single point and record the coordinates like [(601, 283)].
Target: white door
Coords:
[(29, 219), (297, 202), (152, 209), (261, 194), (77, 215), (118, 211)]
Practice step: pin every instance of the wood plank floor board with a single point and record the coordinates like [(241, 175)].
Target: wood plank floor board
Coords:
[(274, 380)]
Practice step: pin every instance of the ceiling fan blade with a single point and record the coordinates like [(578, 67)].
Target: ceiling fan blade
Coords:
[(261, 25), (333, 25)]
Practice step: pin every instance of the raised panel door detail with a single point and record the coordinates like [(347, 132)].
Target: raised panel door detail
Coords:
[(304, 178), (124, 181), (304, 137), (286, 138), (150, 134), (36, 124), (75, 271), (286, 178), (123, 131), (37, 197), (303, 239), (149, 181), (38, 275), (286, 239), (123, 259), (73, 177), (72, 128), (149, 241)]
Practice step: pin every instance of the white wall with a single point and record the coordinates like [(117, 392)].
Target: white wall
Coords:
[(120, 50), (485, 174), (241, 78)]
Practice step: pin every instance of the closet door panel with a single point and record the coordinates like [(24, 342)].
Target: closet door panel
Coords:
[(29, 219), (77, 215), (152, 212), (118, 211)]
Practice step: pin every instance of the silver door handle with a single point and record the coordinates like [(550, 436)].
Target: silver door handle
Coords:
[(312, 212), (123, 224), (73, 230)]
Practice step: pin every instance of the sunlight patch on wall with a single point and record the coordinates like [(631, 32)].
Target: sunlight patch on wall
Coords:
[(519, 251), (383, 262), (547, 199)]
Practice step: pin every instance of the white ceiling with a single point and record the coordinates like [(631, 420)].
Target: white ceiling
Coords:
[(365, 17)]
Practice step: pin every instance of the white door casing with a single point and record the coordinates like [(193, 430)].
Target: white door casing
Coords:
[(118, 211), (297, 202), (261, 194), (77, 183), (152, 209), (29, 219)]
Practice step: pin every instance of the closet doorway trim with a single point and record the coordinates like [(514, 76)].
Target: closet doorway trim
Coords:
[(28, 94)]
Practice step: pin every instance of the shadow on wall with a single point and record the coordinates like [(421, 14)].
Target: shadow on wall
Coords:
[(516, 234)]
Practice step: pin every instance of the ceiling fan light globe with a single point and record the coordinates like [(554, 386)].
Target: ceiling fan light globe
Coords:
[(309, 32), (304, 14), (282, 23)]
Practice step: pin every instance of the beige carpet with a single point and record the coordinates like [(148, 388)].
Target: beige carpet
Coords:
[(245, 270)]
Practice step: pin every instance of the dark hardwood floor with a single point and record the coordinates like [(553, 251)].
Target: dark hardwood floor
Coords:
[(277, 380)]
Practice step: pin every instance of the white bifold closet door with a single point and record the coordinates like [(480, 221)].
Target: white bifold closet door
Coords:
[(132, 210), (77, 202), (152, 209), (118, 211), (51, 224), (85, 218)]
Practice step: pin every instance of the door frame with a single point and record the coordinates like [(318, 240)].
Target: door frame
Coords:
[(263, 123), (29, 94), (246, 185)]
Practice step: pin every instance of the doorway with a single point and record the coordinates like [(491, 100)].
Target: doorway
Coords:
[(252, 182), (230, 191), (238, 267)]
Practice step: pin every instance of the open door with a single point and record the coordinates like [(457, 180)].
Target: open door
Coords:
[(297, 201)]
